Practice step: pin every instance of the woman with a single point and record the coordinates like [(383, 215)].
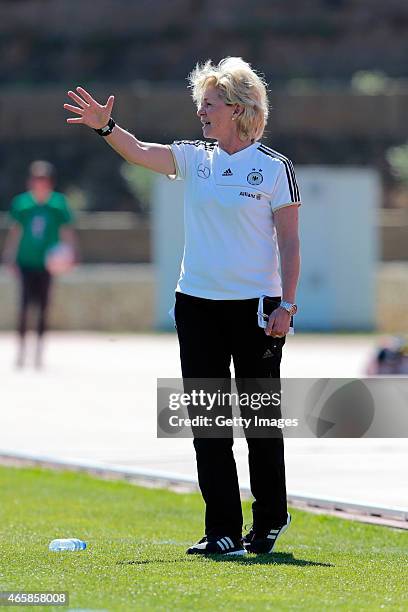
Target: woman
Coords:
[(41, 219), (241, 217)]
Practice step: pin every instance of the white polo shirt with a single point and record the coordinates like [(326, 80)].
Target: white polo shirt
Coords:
[(231, 249)]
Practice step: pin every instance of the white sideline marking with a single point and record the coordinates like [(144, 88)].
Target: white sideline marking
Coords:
[(395, 514)]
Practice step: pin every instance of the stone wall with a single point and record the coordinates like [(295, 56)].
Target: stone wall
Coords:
[(93, 297), (110, 242), (121, 299), (392, 292)]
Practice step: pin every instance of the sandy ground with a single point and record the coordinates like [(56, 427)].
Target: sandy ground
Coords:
[(95, 399)]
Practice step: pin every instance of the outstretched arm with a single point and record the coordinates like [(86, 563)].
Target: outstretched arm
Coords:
[(154, 156)]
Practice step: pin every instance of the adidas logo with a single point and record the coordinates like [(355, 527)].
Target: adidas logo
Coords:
[(267, 353), (227, 172)]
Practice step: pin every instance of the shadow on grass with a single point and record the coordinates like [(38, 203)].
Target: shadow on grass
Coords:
[(270, 559), (267, 559)]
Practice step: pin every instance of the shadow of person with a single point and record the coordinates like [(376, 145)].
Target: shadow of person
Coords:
[(270, 559), (266, 559)]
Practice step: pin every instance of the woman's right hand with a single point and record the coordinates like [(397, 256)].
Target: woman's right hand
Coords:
[(156, 157), (91, 113)]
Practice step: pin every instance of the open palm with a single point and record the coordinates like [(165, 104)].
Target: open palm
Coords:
[(91, 113)]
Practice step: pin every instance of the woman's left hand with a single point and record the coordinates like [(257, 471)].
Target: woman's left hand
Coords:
[(278, 324)]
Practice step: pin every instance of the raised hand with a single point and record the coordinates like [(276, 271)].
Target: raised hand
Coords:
[(91, 113)]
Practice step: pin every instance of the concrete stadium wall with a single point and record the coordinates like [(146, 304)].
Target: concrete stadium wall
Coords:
[(120, 298), (115, 244), (145, 108), (93, 297), (392, 295)]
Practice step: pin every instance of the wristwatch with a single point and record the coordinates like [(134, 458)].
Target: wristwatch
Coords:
[(290, 308)]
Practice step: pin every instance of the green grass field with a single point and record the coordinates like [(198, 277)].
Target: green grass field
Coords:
[(136, 552)]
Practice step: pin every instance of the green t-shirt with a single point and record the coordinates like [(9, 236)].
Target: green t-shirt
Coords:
[(40, 225)]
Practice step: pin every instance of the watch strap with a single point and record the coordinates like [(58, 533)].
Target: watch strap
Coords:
[(105, 131)]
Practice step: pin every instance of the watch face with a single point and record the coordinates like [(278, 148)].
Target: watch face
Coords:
[(290, 308)]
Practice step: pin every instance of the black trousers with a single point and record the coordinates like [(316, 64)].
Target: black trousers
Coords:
[(210, 333), (34, 290)]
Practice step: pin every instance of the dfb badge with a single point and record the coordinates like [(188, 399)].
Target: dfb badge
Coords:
[(254, 177)]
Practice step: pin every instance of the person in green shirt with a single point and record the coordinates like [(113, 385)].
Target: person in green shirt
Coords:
[(40, 220)]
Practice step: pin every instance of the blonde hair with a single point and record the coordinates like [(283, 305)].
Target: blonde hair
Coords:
[(237, 83)]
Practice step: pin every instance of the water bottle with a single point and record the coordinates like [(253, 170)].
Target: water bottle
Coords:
[(67, 544)]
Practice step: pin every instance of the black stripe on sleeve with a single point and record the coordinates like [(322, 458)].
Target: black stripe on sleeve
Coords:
[(290, 172), (297, 194)]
